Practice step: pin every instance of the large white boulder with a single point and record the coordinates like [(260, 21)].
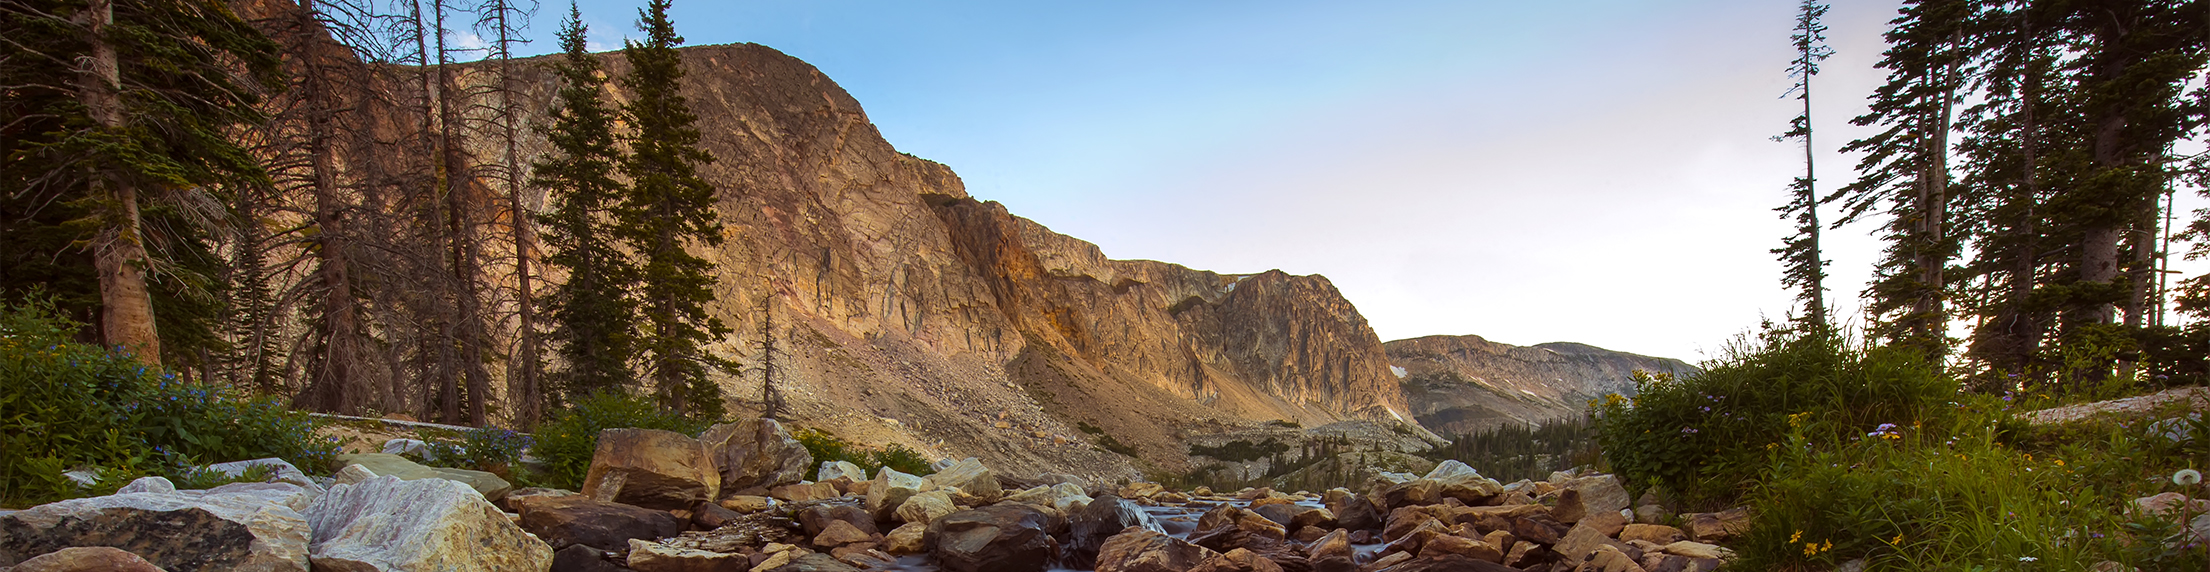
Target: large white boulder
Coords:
[(386, 524)]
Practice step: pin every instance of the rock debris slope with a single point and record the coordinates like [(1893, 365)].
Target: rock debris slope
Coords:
[(1459, 384)]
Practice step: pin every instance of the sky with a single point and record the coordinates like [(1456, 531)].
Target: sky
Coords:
[(1598, 172)]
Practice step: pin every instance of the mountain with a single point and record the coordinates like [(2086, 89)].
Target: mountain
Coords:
[(1460, 384)]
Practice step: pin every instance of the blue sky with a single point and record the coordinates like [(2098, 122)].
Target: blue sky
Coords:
[(1588, 171)]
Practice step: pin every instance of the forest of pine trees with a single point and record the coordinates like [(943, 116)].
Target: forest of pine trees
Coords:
[(325, 201), (2024, 169)]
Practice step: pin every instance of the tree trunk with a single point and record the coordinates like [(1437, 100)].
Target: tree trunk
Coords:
[(119, 254)]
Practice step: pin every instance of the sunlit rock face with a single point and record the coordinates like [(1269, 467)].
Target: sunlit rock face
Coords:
[(905, 311), (1460, 384)]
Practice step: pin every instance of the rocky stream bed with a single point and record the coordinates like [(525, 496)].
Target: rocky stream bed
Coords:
[(737, 499)]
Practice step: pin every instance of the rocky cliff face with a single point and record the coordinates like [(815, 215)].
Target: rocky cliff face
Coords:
[(1459, 384), (906, 311)]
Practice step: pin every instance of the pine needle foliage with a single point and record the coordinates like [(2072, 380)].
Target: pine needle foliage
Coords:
[(669, 209), (592, 313)]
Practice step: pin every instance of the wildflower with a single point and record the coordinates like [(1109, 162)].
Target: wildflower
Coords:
[(2187, 477), (1897, 541), (2028, 559), (1690, 430), (1795, 538)]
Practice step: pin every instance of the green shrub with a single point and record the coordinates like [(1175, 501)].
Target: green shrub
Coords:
[(568, 438), (827, 448), (1703, 437), (483, 448), (66, 405)]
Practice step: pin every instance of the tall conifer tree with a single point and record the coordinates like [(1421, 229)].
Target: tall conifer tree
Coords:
[(1805, 266), (670, 208), (593, 316)]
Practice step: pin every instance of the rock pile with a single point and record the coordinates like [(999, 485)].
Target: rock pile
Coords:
[(733, 501)]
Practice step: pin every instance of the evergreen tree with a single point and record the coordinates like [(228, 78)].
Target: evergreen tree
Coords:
[(121, 108), (1905, 173), (670, 208), (1805, 266), (592, 314)]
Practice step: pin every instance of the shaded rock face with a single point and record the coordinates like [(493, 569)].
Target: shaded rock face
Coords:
[(178, 532), (567, 521), (997, 538), (755, 453), (1462, 384), (912, 313)]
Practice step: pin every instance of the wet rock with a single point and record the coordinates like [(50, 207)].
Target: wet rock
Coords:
[(652, 469), (711, 516), (1090, 527), (87, 559), (968, 475), (1462, 546), (566, 521), (581, 558), (755, 453), (176, 531), (1238, 560), (386, 523), (997, 538), (1141, 550), (813, 563), (649, 556)]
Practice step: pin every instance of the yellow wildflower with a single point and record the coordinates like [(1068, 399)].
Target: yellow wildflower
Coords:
[(1795, 538)]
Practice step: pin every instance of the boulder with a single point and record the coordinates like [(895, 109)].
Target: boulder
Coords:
[(565, 521), (650, 468), (831, 470), (816, 518), (649, 556), (1589, 495), (351, 474), (1143, 550), (839, 533), (1140, 490), (1610, 559), (1238, 560), (1280, 513), (383, 464), (285, 472), (890, 489), (1462, 546), (1653, 533), (87, 559), (148, 485), (1359, 513), (1609, 523), (803, 492), (1708, 527), (1335, 543), (580, 558), (1090, 527), (710, 516), (1445, 563), (1581, 541), (907, 539), (1538, 528), (968, 475), (1461, 482), (997, 538), (1312, 517), (747, 503), (386, 523), (755, 453), (181, 531), (1069, 497), (926, 507), (1698, 550), (1404, 520)]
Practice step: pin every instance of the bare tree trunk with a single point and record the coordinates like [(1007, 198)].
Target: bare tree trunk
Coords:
[(119, 254)]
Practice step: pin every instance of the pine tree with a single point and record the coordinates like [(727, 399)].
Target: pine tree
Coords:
[(1805, 266), (592, 314), (1905, 173), (144, 93), (670, 208)]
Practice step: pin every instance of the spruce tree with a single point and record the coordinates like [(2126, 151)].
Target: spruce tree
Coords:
[(1905, 174), (1805, 267), (670, 208), (592, 314)]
